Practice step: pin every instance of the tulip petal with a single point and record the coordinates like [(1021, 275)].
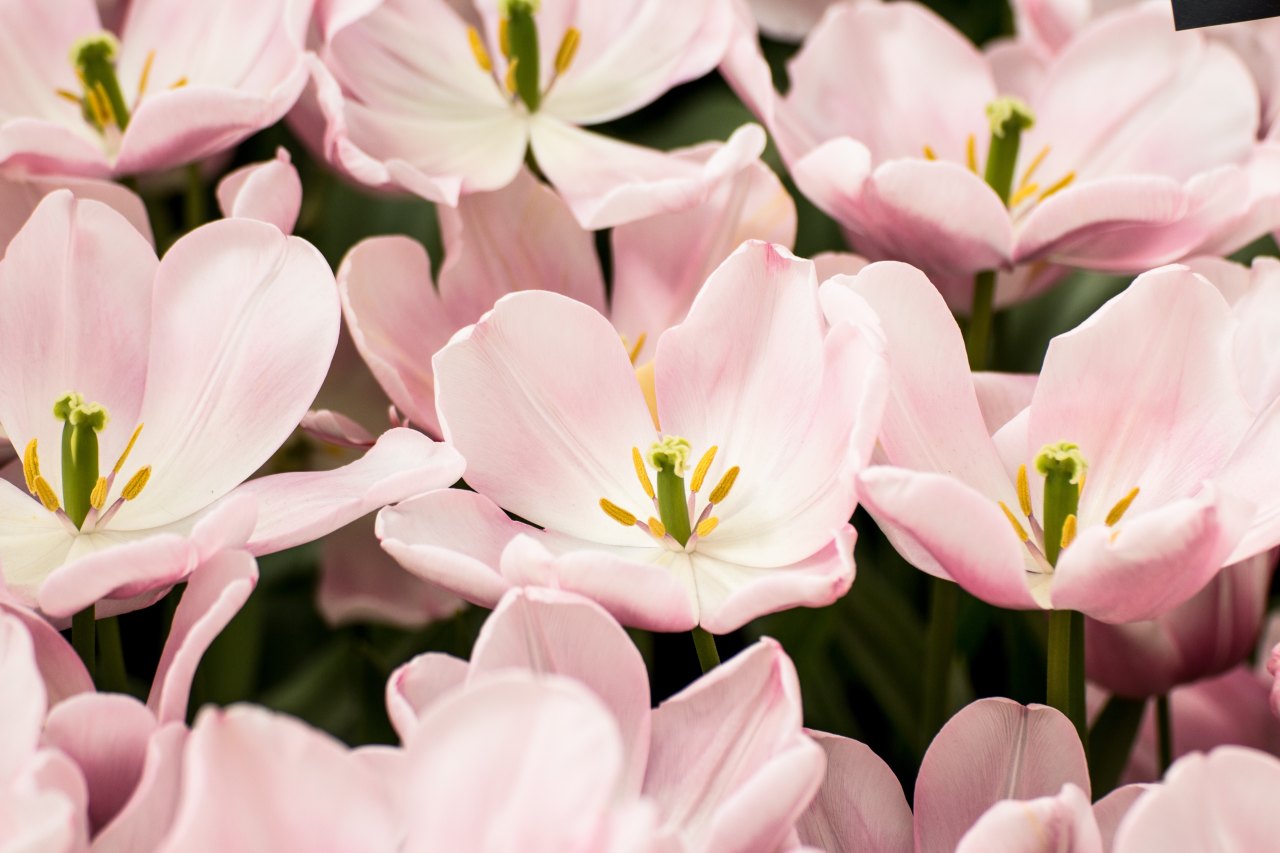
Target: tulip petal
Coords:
[(416, 685), (22, 703), (61, 669), (145, 819), (270, 191), (860, 806), (1040, 825)]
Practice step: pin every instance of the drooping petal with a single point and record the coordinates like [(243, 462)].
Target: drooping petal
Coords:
[(270, 191), (992, 750), (1047, 824), (415, 686), (860, 807)]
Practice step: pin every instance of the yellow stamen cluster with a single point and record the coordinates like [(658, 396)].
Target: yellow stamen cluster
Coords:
[(37, 485)]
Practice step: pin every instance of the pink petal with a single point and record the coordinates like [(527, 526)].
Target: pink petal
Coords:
[(1017, 67), (1042, 825), (1003, 395), (1243, 476), (1260, 206), (269, 191), (860, 806), (336, 428), (146, 817), (1110, 811), (788, 20), (831, 264), (247, 321), (1050, 23), (60, 667), (44, 808), (22, 702), (415, 686), (607, 182), (992, 750), (20, 196), (301, 506)]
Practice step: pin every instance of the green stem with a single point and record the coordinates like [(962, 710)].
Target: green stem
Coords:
[(940, 648), (193, 201), (1065, 685), (83, 635), (977, 341), (705, 643), (114, 677), (1164, 733), (1111, 741)]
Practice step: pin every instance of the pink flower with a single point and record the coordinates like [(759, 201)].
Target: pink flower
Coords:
[(19, 197), (442, 99), (894, 147), (1167, 473), (174, 380), (1254, 295), (767, 410), (724, 765), (523, 237), (788, 20), (269, 192), (180, 83)]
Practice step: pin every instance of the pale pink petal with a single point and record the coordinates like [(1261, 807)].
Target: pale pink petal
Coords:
[(45, 807), (215, 593), (1052, 824), (270, 191), (33, 543), (106, 734), (992, 750), (717, 740), (39, 146), (831, 264), (60, 667), (250, 323), (1050, 23), (860, 807), (359, 582), (415, 686), (1244, 475), (660, 263), (19, 197), (541, 392), (145, 818), (1260, 205), (1002, 395), (300, 506), (1017, 67), (608, 182), (1256, 304), (288, 786), (1110, 811), (337, 429), (22, 702), (788, 20)]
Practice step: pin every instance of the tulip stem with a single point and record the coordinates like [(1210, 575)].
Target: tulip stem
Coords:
[(1065, 684), (193, 206), (705, 643), (977, 340), (940, 648), (1164, 732), (114, 677), (83, 636)]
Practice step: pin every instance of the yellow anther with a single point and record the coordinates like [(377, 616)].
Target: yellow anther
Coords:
[(617, 513), (1121, 507), (568, 49), (478, 50), (179, 83), (657, 528), (1084, 475), (721, 491), (1024, 192), (1061, 183), (136, 483), (707, 525), (504, 38), (1013, 520), (510, 80), (46, 495), (128, 448), (1068, 530), (1024, 491), (145, 75), (635, 350), (1033, 165), (929, 153), (96, 98), (31, 465), (98, 497), (642, 473), (704, 465), (69, 96), (971, 153)]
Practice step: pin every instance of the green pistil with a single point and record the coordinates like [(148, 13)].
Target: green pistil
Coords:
[(1063, 468), (94, 59), (522, 41), (670, 457), (1008, 118), (81, 424)]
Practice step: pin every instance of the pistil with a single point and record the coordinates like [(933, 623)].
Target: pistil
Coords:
[(669, 457), (103, 103), (521, 47), (81, 423)]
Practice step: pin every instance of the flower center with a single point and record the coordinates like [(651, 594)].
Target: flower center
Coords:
[(674, 525), (518, 40), (101, 99), (84, 492)]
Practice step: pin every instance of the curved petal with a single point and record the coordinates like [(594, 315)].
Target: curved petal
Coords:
[(860, 807), (542, 401), (20, 196), (270, 191), (145, 818), (61, 669), (247, 322), (1111, 810), (1003, 395), (33, 543), (336, 429), (1041, 825), (45, 807), (992, 750), (22, 702), (608, 182), (416, 685)]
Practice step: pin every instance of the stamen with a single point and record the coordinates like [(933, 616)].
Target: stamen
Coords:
[(635, 350), (179, 83), (971, 153), (1013, 520), (144, 76), (1024, 192), (721, 491), (929, 153), (704, 465), (1122, 506), (657, 528), (568, 50), (98, 496), (1068, 530), (707, 525), (1033, 165), (510, 79), (69, 96), (137, 483), (31, 465), (478, 50), (504, 38), (1024, 491), (128, 448), (642, 473), (1062, 183), (46, 495), (617, 513)]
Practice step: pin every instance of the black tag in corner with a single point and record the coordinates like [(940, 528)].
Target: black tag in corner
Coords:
[(1189, 14)]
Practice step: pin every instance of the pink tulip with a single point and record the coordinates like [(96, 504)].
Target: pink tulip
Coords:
[(860, 807), (1254, 295), (767, 409), (898, 160), (475, 108), (724, 765), (19, 197), (1170, 471), (269, 192), (524, 237), (187, 407), (788, 20), (178, 84)]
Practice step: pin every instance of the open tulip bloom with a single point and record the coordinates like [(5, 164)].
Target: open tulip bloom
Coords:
[(730, 499), (179, 82), (443, 98), (141, 393)]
